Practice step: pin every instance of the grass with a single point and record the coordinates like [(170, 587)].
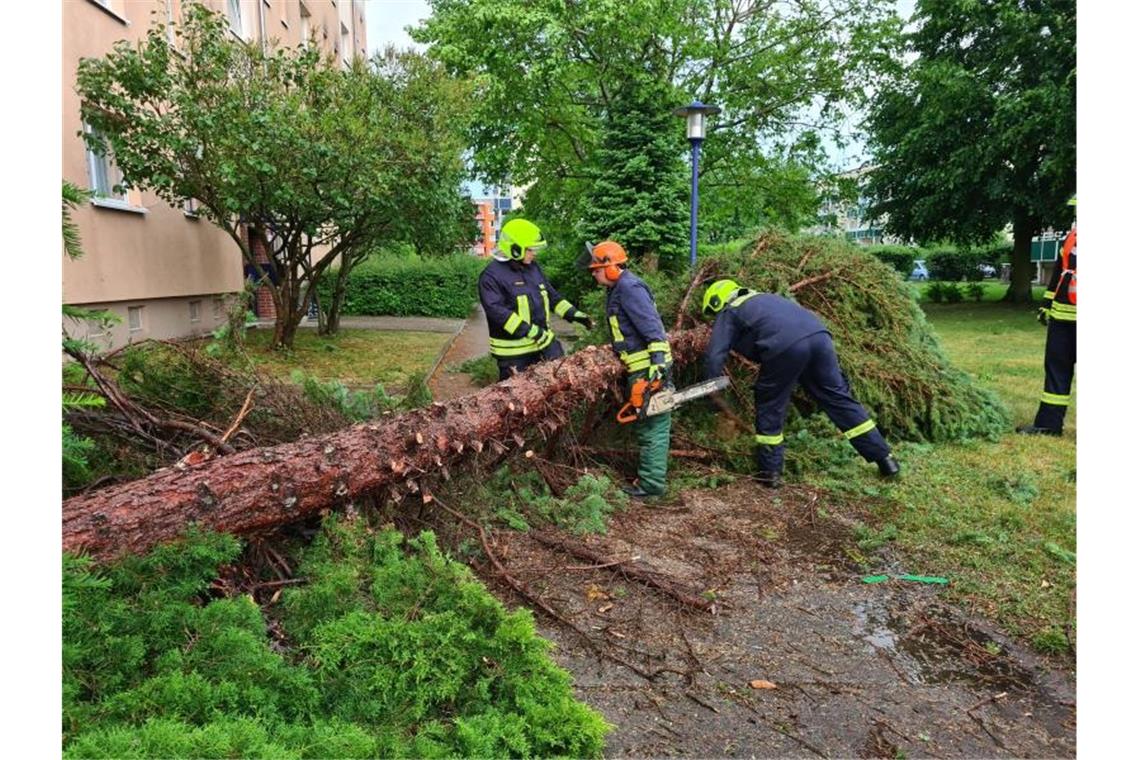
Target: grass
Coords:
[(355, 357), (997, 517)]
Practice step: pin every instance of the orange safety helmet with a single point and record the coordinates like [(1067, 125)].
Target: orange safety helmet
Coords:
[(608, 255)]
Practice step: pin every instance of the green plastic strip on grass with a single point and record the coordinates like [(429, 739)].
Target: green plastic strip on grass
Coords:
[(916, 578)]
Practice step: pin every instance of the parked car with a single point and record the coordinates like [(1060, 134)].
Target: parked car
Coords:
[(919, 272), (987, 270)]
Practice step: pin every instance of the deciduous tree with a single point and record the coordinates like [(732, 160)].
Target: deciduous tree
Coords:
[(978, 129)]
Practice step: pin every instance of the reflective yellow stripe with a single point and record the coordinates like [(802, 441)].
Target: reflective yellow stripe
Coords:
[(562, 307), (1061, 315), (636, 360), (1050, 294), (513, 323), (524, 308), (545, 302), (1056, 399), (859, 429), (615, 331), (770, 440), (742, 299), (1058, 306), (658, 345)]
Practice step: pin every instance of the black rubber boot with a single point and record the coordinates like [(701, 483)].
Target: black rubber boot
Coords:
[(639, 493), (768, 479), (888, 467), (1034, 430)]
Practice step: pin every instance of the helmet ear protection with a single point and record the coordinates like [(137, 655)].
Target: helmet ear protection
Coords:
[(516, 252), (607, 256)]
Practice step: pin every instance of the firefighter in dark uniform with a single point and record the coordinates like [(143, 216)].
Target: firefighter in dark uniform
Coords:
[(518, 299), (1059, 311), (637, 336), (792, 346)]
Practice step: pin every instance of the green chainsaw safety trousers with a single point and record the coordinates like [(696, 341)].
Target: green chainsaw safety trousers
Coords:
[(653, 451)]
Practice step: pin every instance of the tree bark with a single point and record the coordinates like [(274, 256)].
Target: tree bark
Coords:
[(1021, 268), (397, 456)]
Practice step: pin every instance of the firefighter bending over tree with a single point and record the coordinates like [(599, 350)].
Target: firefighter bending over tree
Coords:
[(518, 299), (792, 346), (637, 336)]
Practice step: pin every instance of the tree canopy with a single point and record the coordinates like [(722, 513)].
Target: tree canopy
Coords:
[(977, 128), (551, 76), (313, 160)]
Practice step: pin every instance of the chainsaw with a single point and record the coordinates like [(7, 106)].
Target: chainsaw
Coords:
[(649, 398)]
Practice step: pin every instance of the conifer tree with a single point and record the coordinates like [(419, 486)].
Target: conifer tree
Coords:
[(639, 193)]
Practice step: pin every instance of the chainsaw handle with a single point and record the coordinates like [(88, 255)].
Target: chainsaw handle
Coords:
[(627, 413)]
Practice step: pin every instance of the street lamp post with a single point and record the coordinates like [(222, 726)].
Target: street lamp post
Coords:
[(694, 115)]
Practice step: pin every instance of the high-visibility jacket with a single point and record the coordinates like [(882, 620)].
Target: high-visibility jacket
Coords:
[(518, 300), (1061, 293), (637, 334), (759, 327)]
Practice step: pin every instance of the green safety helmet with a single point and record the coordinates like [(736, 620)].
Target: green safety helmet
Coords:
[(517, 235), (717, 296)]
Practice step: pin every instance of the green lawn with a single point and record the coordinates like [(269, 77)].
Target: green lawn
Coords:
[(997, 517), (356, 357), (992, 290)]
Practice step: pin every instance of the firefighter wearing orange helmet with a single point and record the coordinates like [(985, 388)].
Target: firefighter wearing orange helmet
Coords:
[(637, 336)]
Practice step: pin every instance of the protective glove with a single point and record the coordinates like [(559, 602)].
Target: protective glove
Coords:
[(538, 334), (659, 372), (583, 319), (1043, 315)]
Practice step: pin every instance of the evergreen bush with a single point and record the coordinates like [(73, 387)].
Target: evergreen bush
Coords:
[(409, 286), (391, 649)]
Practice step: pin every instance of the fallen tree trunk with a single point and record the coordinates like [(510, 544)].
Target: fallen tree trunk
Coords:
[(263, 488)]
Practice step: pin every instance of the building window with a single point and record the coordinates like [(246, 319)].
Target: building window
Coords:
[(233, 10), (104, 174), (306, 31), (195, 311), (219, 309), (190, 207), (345, 45), (135, 318)]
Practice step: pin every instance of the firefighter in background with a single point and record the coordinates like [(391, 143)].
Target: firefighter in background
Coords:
[(1059, 312), (518, 299), (637, 336), (792, 346)]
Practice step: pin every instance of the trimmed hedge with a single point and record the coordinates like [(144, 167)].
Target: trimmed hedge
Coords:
[(409, 287), (900, 257)]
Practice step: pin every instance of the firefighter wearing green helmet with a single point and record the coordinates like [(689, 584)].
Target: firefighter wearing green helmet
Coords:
[(518, 301), (792, 346)]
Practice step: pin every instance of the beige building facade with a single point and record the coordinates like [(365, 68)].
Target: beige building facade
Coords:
[(165, 272)]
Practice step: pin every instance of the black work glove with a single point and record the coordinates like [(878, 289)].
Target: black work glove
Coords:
[(583, 319), (1043, 315)]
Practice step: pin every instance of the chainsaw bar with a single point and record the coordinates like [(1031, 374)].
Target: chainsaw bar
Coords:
[(667, 399)]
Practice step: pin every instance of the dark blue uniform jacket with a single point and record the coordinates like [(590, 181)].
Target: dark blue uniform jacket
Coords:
[(516, 296), (759, 327), (636, 331)]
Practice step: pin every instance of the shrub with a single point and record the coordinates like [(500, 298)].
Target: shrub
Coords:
[(900, 257), (398, 651), (954, 264), (405, 287), (976, 291), (484, 370), (952, 293), (934, 292)]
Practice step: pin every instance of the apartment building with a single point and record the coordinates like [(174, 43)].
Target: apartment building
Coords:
[(163, 270)]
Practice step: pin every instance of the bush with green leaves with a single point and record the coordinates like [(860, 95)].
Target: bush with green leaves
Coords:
[(523, 500), (360, 405), (390, 650), (955, 264), (900, 257), (402, 286)]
